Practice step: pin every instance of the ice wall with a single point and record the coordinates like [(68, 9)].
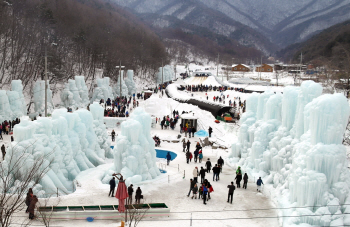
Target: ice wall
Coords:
[(21, 107), (66, 139), (39, 98), (134, 154), (97, 112), (295, 144), (5, 110), (168, 74), (75, 94), (103, 90), (129, 82), (83, 90), (12, 103), (116, 88)]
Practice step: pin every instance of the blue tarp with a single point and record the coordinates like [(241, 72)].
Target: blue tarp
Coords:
[(201, 133), (163, 153)]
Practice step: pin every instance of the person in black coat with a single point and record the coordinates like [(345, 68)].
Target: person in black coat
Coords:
[(138, 195), (221, 163), (216, 172), (188, 155), (245, 180), (112, 187), (231, 189), (208, 165), (193, 131), (130, 191), (168, 158), (113, 135), (210, 130), (202, 174), (3, 151), (238, 179), (188, 145)]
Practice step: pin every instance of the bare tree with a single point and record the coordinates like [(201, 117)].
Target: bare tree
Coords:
[(45, 209), (18, 172), (136, 213)]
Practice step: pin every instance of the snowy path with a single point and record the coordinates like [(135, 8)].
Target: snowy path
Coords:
[(217, 212), (174, 193), (182, 207)]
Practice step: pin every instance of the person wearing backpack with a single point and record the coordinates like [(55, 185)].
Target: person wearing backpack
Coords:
[(231, 189)]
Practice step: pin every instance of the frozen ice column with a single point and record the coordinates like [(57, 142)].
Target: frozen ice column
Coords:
[(83, 90), (134, 155), (116, 89), (16, 85), (129, 81), (320, 174), (166, 75), (5, 110), (39, 97), (97, 112), (103, 90)]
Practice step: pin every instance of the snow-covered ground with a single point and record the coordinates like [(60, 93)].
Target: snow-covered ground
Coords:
[(171, 188), (249, 207)]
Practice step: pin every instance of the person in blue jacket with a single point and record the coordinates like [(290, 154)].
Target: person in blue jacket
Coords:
[(258, 183), (205, 192), (168, 158)]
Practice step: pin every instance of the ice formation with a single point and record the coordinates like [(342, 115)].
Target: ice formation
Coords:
[(39, 97), (103, 90), (129, 81), (68, 139), (12, 103), (116, 88), (134, 153), (75, 93), (168, 74), (294, 141), (18, 104), (97, 112)]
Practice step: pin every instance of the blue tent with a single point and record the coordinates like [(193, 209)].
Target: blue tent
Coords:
[(201, 133)]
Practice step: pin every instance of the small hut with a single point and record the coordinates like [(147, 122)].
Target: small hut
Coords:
[(147, 94), (190, 119)]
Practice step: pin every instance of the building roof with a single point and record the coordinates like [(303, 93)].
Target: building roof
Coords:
[(234, 65), (188, 116)]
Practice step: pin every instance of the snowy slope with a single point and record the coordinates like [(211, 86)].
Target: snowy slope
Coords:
[(284, 21)]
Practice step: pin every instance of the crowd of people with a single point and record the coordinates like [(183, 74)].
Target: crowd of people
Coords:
[(6, 128), (130, 190), (204, 188), (169, 122), (120, 106)]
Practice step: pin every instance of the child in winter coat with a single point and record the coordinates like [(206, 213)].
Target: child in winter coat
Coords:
[(200, 156), (194, 191), (200, 192)]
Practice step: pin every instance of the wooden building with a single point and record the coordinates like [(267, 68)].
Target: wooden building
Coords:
[(264, 68), (240, 68)]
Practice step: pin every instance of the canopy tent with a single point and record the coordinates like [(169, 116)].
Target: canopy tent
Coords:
[(190, 119)]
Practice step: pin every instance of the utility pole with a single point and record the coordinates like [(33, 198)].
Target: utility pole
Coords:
[(175, 70), (301, 62), (45, 82), (162, 73), (217, 67), (120, 77), (260, 68)]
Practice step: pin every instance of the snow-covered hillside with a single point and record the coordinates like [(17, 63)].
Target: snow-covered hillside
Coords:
[(275, 18)]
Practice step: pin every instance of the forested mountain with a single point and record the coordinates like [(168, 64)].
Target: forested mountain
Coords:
[(260, 24), (330, 47), (80, 36)]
